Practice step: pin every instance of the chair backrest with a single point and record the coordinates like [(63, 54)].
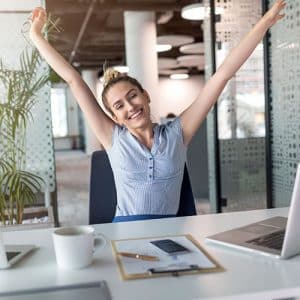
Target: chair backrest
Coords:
[(103, 195), (187, 203), (102, 186)]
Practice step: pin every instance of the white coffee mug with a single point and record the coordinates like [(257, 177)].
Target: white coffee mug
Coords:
[(74, 246)]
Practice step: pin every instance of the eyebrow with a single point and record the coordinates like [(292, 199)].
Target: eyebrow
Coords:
[(118, 101), (132, 89)]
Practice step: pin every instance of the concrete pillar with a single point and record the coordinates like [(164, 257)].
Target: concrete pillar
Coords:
[(91, 142), (141, 56)]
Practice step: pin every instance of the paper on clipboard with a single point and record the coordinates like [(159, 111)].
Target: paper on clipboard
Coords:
[(131, 268)]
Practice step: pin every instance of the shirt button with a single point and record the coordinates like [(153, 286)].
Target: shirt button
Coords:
[(150, 158), (150, 176), (150, 167)]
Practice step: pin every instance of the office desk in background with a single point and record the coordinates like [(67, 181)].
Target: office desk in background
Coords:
[(247, 276)]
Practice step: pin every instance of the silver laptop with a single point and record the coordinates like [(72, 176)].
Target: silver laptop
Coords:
[(91, 291), (10, 254), (277, 236)]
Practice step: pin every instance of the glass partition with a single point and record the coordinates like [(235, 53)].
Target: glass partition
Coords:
[(240, 115), (284, 51), (39, 143)]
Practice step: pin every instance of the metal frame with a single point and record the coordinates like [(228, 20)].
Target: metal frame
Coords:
[(268, 124), (215, 110)]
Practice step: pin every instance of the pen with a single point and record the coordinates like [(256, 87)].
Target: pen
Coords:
[(138, 256)]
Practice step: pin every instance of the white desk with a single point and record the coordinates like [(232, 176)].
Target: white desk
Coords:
[(253, 276)]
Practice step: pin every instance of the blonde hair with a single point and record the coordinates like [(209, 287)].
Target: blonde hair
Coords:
[(110, 74), (110, 78)]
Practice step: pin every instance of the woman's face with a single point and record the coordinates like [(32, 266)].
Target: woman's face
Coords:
[(129, 105)]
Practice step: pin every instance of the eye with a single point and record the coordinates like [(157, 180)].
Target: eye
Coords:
[(118, 106), (132, 95)]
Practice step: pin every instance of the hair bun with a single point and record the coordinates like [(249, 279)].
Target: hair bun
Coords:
[(109, 75)]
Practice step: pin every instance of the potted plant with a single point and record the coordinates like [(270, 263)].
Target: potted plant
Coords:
[(18, 186)]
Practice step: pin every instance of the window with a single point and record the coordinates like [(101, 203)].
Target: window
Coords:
[(59, 112)]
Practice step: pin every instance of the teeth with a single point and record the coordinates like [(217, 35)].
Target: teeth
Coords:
[(135, 114)]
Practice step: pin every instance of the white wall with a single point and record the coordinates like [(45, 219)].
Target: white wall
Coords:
[(177, 95)]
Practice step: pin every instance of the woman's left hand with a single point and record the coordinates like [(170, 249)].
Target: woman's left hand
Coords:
[(274, 13)]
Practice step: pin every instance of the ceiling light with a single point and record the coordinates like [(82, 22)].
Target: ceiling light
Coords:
[(198, 11), (163, 47), (172, 71), (193, 12), (166, 63), (190, 60), (121, 69), (195, 48), (179, 76), (175, 39)]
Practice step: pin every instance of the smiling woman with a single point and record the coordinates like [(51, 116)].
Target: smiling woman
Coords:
[(147, 159)]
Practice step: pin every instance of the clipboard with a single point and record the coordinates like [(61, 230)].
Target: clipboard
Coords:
[(197, 260)]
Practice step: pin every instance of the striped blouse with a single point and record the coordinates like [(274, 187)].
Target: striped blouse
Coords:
[(148, 182)]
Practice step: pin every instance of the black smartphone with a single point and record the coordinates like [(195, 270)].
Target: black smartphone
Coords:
[(170, 247)]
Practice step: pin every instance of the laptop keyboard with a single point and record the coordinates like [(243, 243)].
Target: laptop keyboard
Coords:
[(273, 240)]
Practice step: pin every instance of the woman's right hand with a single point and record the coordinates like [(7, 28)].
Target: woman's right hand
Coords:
[(38, 20)]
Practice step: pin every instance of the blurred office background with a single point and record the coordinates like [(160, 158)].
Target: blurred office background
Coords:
[(245, 154)]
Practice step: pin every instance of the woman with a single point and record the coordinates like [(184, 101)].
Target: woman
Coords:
[(147, 159)]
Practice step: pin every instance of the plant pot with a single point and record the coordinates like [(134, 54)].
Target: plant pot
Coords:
[(33, 218)]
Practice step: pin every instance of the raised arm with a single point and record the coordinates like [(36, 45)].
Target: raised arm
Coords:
[(100, 123), (194, 115)]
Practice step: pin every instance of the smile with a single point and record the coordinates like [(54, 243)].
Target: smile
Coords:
[(136, 114)]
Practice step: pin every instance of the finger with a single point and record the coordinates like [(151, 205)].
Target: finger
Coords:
[(282, 4), (42, 13), (36, 12), (41, 16), (279, 4)]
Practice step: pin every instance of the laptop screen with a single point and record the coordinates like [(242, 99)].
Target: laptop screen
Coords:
[(11, 255)]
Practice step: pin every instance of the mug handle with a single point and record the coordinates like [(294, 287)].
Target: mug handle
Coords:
[(99, 241)]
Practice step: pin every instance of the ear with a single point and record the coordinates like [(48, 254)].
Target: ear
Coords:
[(116, 120)]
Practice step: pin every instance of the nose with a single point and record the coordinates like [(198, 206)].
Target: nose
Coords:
[(130, 106)]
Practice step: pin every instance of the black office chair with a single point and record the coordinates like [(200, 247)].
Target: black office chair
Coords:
[(102, 186)]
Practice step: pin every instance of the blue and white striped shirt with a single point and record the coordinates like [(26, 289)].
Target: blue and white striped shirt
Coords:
[(148, 182)]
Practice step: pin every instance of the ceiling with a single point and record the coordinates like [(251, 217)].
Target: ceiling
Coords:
[(93, 30)]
